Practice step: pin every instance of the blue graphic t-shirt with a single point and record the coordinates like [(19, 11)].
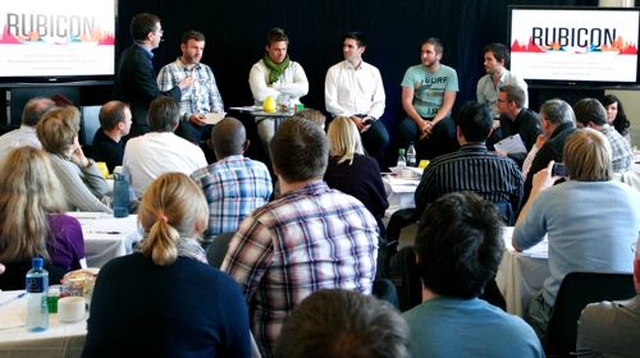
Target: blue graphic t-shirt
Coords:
[(429, 88)]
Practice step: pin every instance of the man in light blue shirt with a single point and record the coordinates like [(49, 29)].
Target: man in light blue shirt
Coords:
[(459, 247)]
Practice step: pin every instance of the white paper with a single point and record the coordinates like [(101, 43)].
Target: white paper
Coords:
[(214, 118), (511, 145)]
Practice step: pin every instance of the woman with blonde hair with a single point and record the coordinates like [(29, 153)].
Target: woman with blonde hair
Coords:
[(84, 186), (351, 171), (165, 289), (32, 222)]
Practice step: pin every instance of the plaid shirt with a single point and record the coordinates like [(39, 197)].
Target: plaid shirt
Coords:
[(234, 187), (202, 97), (621, 154), (310, 239)]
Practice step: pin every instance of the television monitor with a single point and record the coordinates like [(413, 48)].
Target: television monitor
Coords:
[(575, 46), (55, 42)]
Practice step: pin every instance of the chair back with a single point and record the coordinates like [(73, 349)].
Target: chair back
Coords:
[(576, 291), (218, 249)]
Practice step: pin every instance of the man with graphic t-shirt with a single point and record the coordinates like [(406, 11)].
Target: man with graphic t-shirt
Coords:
[(428, 94)]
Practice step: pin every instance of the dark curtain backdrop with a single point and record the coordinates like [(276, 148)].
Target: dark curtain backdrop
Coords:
[(236, 29)]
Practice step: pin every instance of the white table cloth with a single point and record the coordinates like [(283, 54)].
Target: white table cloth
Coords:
[(106, 237), (60, 340), (521, 274)]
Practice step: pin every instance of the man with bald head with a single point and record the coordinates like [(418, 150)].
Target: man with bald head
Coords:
[(234, 185), (115, 123), (26, 134)]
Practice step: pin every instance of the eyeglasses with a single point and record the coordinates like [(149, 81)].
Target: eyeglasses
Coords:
[(503, 100)]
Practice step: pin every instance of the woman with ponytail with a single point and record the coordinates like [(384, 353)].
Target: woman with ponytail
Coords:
[(164, 299)]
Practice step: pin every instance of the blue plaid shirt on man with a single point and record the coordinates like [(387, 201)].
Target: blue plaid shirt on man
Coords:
[(234, 187)]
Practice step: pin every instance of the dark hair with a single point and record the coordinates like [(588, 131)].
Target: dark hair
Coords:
[(228, 137), (514, 94), (337, 323), (192, 35), (112, 113), (475, 120), (360, 38), (141, 25), (163, 114), (620, 123), (276, 34), (34, 109), (299, 150), (437, 45), (459, 245), (590, 110), (500, 52)]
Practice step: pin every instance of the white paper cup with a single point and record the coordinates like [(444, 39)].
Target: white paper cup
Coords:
[(71, 309)]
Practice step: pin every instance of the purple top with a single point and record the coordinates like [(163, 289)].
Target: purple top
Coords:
[(66, 242)]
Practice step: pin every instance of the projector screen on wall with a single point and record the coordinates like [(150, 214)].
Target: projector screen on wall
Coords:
[(44, 41), (574, 46)]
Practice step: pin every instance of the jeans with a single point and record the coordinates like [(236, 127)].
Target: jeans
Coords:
[(442, 140)]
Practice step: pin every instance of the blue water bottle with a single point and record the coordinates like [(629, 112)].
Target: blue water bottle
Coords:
[(37, 286), (120, 196)]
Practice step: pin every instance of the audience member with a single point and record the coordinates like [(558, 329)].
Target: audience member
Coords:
[(160, 151), (459, 247), (312, 115), (496, 60), (32, 220), (26, 134), (234, 186), (515, 118), (611, 329), (472, 168), (309, 239), (169, 302), (352, 172), (337, 323), (276, 76), (591, 113), (115, 123), (428, 94), (590, 221), (557, 122), (83, 185), (202, 97), (616, 116), (135, 81), (354, 89)]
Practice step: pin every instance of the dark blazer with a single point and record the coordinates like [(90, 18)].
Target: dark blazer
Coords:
[(136, 85)]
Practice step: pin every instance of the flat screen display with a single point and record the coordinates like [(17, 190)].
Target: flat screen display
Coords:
[(575, 45), (51, 41)]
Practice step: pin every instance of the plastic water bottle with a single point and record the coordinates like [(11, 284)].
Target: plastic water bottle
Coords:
[(411, 156), (402, 161), (120, 196), (37, 285)]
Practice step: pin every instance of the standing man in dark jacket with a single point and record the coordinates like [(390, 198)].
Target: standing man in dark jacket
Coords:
[(135, 79)]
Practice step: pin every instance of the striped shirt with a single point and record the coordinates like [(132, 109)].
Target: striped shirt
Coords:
[(309, 239), (201, 97), (234, 187), (471, 168)]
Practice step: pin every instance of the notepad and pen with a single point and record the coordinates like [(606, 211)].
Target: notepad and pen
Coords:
[(511, 145), (214, 118)]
